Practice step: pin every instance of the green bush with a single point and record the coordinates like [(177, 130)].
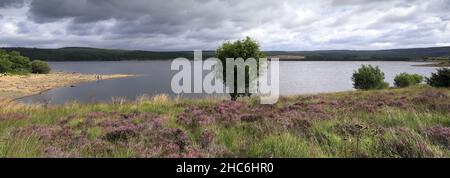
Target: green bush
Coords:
[(369, 77), (440, 79), (5, 65), (405, 80), (40, 67)]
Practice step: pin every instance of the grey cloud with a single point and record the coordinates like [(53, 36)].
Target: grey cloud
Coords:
[(203, 24), (12, 3)]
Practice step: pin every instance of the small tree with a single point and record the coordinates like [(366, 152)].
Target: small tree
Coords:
[(440, 79), (40, 67), (405, 80), (369, 77), (245, 49)]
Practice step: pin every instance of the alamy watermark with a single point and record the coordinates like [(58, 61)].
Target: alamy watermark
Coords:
[(251, 76)]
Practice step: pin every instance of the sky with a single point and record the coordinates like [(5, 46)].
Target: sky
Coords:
[(165, 25)]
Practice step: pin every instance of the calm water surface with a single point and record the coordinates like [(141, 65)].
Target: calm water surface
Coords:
[(154, 78)]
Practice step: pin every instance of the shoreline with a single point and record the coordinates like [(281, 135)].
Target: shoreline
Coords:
[(436, 64), (13, 87)]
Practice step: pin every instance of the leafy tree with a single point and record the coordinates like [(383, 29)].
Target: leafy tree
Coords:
[(405, 80), (440, 79), (5, 65), (245, 49), (20, 63), (369, 77), (40, 67), (14, 62)]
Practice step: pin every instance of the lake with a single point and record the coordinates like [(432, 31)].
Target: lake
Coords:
[(154, 77)]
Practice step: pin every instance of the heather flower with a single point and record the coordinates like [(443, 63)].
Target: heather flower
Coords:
[(153, 123), (440, 135), (206, 138), (121, 133), (191, 152), (194, 117), (406, 144), (176, 136), (43, 132), (56, 152), (99, 147), (428, 97), (250, 118)]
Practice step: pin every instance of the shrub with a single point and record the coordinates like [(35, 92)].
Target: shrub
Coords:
[(440, 79), (5, 66), (369, 77), (40, 67), (405, 80)]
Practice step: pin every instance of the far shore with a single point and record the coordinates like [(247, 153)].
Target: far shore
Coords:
[(434, 64), (18, 86)]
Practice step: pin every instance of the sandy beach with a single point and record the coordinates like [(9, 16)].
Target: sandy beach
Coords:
[(18, 86)]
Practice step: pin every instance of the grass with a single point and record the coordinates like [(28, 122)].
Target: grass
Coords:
[(399, 123)]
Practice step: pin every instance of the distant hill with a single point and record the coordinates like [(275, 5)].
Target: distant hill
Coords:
[(95, 54)]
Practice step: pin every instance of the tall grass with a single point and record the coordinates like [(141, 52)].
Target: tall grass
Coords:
[(409, 122)]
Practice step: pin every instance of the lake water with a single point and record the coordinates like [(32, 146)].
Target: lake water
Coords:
[(154, 77)]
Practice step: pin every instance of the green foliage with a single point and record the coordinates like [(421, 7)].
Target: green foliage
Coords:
[(405, 80), (5, 65), (14, 62), (20, 63), (369, 77), (40, 67), (245, 49), (440, 79)]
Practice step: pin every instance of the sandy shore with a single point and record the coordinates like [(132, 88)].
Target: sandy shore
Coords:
[(433, 63), (17, 86)]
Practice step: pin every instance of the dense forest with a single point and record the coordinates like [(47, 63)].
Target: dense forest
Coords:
[(95, 54)]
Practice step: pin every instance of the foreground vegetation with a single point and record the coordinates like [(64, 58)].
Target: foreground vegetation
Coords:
[(409, 122)]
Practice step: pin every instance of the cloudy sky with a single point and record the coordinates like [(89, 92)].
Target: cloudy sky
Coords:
[(204, 24)]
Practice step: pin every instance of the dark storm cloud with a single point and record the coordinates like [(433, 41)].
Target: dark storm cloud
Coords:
[(165, 17), (12, 3), (203, 24)]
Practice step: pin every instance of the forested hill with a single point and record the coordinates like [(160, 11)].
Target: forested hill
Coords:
[(95, 54)]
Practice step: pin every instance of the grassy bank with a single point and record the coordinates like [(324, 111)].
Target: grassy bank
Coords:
[(411, 122)]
